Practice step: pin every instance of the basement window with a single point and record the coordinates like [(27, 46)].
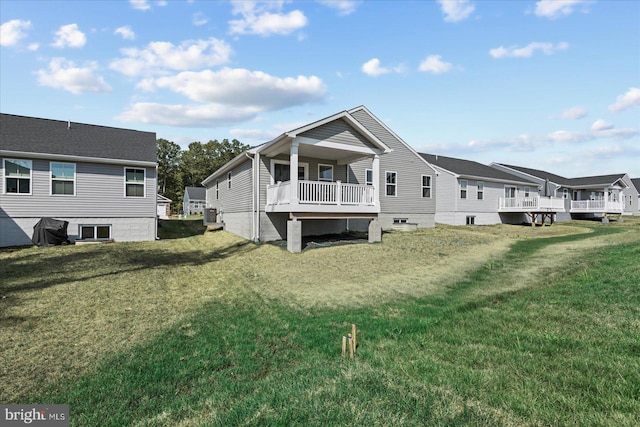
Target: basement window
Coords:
[(95, 232), (400, 220), (471, 220)]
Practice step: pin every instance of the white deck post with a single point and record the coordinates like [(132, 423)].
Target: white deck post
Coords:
[(293, 172), (338, 192), (376, 179), (606, 199)]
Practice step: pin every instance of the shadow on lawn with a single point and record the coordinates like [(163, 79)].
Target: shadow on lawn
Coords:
[(96, 262)]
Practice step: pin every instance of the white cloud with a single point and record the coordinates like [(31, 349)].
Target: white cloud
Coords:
[(556, 8), (201, 115), (69, 35), (264, 134), (126, 32), (573, 113), (158, 57), (33, 46), (11, 32), (199, 19), (373, 68), (140, 4), (434, 64), (456, 10), (628, 100), (257, 18), (64, 74), (527, 51), (600, 125), (344, 7), (240, 87)]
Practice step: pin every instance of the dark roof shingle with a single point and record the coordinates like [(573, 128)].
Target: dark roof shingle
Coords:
[(469, 168)]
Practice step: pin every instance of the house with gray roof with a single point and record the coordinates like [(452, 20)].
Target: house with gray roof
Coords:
[(584, 197), (472, 193), (345, 172), (194, 201), (100, 179)]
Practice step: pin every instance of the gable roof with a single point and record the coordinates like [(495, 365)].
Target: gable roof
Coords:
[(636, 183), (471, 169), (22, 134), (585, 181), (196, 193)]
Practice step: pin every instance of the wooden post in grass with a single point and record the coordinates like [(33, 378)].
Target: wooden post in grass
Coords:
[(353, 333), (344, 346), (350, 346)]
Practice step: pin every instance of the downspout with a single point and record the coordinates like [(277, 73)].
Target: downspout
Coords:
[(253, 199), (155, 205), (257, 160)]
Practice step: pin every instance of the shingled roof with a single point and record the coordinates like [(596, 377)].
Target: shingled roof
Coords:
[(45, 136), (469, 168), (636, 182), (603, 180), (196, 193)]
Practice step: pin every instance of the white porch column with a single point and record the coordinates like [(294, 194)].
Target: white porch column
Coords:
[(293, 172), (376, 179), (606, 198)]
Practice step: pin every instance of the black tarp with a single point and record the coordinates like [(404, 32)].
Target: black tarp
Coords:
[(50, 232)]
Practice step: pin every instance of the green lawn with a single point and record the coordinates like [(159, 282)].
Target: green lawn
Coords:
[(498, 325)]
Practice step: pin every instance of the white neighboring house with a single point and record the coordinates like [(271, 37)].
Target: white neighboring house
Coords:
[(102, 180), (163, 207), (348, 171), (194, 201), (470, 193), (585, 197)]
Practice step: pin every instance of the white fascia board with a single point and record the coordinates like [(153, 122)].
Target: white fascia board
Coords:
[(81, 159)]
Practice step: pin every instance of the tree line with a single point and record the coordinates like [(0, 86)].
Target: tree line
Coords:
[(178, 168)]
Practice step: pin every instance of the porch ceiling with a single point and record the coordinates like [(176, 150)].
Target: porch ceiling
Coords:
[(340, 153)]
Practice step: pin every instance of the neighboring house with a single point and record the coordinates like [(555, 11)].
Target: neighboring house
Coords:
[(636, 183), (351, 173), (100, 179), (194, 200), (472, 193), (163, 206), (585, 197)]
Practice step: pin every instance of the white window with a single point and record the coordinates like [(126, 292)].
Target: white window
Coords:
[(229, 180), (426, 186), (509, 192), (63, 178), (134, 182), (471, 220), (95, 232), (480, 190), (17, 176), (391, 179), (565, 193), (196, 204), (463, 188), (527, 192), (281, 171), (325, 173), (368, 176)]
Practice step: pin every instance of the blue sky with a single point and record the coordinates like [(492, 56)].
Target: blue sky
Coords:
[(550, 84)]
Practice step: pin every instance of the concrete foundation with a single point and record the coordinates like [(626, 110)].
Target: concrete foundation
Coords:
[(375, 231), (294, 236)]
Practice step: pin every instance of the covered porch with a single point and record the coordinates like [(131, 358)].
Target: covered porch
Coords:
[(598, 200)]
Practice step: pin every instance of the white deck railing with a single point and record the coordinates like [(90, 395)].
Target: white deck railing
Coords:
[(595, 206), (534, 203), (322, 193)]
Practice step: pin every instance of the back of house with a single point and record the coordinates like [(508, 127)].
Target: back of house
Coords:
[(102, 180)]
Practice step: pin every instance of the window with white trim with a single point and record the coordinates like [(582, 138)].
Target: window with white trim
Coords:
[(565, 193), (134, 182), (527, 192), (471, 220), (217, 189), (95, 232), (480, 190), (426, 186), (63, 178), (509, 192), (17, 176), (400, 220), (463, 188), (229, 180), (368, 176), (325, 173), (391, 180)]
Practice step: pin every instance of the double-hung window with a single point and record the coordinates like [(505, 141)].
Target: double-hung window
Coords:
[(17, 176), (391, 180), (217, 189), (325, 173), (63, 178), (368, 176), (134, 182), (229, 180), (463, 188), (426, 186), (480, 190)]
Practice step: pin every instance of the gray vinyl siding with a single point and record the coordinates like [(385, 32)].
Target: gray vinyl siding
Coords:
[(492, 192), (237, 198), (99, 192), (447, 187), (338, 131), (408, 166)]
